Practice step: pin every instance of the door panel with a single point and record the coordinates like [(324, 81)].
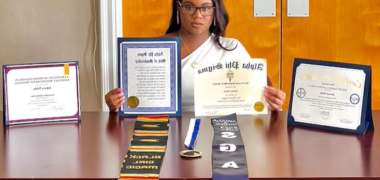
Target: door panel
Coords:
[(260, 36), (145, 18), (336, 30)]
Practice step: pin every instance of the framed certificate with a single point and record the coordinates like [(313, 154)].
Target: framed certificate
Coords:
[(331, 95), (149, 72), (41, 92), (233, 86)]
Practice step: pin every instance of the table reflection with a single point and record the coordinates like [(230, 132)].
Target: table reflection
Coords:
[(316, 151), (34, 145)]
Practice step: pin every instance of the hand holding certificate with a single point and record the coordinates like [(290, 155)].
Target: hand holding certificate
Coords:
[(331, 95), (41, 92), (228, 87)]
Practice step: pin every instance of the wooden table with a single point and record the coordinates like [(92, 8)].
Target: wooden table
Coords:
[(95, 148)]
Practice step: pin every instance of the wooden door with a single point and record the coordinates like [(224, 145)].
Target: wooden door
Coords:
[(336, 30), (260, 36), (145, 18)]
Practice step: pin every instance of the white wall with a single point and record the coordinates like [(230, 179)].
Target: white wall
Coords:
[(53, 30)]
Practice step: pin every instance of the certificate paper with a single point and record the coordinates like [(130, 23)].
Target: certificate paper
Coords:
[(329, 96), (41, 92), (149, 74), (227, 87)]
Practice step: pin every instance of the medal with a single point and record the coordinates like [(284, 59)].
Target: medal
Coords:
[(190, 153), (191, 138)]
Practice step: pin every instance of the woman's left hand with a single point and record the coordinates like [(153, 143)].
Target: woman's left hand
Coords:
[(274, 97)]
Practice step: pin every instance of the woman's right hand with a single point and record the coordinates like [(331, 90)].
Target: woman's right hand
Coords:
[(114, 99)]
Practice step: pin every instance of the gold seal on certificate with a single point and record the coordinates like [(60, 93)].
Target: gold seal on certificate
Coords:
[(133, 102), (41, 92), (331, 95), (259, 106), (226, 87)]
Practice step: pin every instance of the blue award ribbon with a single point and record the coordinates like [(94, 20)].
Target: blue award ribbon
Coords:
[(192, 133), (228, 154)]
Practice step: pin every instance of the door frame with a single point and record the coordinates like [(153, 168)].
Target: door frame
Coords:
[(111, 27)]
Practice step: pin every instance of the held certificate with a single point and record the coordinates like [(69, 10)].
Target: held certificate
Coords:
[(227, 87), (41, 92), (328, 96), (149, 74)]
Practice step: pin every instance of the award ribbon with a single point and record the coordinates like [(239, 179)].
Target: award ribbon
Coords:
[(192, 133), (144, 158), (66, 67), (228, 154)]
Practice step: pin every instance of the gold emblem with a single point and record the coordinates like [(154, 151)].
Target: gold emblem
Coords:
[(259, 106), (133, 102), (190, 153), (230, 75), (148, 140), (150, 125)]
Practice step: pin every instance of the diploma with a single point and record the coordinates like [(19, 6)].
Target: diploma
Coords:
[(228, 87), (331, 95), (149, 74), (41, 92)]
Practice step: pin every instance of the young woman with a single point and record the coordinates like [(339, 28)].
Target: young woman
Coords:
[(201, 25)]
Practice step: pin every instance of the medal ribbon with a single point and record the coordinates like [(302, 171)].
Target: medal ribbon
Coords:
[(228, 154), (146, 154), (192, 133)]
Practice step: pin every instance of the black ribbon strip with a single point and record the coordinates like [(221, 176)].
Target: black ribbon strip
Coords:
[(228, 154), (146, 154)]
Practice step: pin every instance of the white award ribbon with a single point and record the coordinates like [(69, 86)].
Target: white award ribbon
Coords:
[(192, 133)]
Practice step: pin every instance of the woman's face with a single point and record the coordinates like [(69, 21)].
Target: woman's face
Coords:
[(196, 15)]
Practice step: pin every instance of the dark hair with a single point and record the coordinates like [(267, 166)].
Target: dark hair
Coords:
[(221, 18)]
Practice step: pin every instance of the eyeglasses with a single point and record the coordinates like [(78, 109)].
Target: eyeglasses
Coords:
[(190, 10)]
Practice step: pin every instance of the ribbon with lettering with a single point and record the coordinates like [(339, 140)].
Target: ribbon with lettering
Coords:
[(146, 154), (228, 154)]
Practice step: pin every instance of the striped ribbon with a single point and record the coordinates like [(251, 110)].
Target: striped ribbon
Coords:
[(146, 154), (192, 133)]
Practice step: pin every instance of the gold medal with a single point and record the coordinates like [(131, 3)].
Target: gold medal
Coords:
[(259, 106), (133, 102), (190, 153)]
